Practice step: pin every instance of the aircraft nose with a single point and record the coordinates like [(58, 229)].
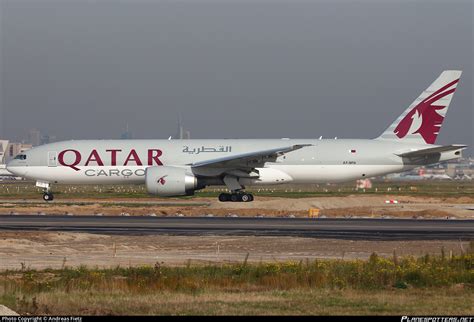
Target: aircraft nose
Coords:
[(14, 168), (9, 166)]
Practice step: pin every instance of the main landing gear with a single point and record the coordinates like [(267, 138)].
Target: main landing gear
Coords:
[(236, 197)]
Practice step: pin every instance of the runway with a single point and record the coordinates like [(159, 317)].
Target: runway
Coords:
[(367, 229)]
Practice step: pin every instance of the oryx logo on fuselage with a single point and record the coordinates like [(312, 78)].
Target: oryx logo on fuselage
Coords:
[(424, 118), (72, 158)]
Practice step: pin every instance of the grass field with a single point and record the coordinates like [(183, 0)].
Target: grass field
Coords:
[(435, 285), (24, 190)]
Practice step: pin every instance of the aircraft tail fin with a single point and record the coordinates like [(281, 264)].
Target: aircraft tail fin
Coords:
[(422, 120)]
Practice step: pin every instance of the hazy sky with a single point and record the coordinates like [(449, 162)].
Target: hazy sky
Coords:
[(233, 68)]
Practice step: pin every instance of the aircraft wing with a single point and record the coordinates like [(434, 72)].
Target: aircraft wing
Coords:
[(248, 160), (429, 151)]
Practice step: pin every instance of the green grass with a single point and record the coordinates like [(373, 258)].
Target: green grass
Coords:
[(428, 284), (24, 190)]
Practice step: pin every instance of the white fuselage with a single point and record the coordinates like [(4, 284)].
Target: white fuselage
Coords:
[(126, 161)]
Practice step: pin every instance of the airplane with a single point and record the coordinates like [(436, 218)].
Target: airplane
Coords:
[(181, 167)]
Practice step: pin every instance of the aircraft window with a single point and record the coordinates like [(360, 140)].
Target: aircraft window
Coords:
[(21, 157)]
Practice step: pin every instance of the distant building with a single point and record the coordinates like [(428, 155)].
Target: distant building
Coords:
[(34, 137), (459, 169), (363, 184), (182, 133), (127, 135), (45, 139), (3, 150)]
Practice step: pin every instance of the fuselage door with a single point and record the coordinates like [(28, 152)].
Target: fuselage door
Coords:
[(52, 159)]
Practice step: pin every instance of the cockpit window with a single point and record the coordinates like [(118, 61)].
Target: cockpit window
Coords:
[(20, 157)]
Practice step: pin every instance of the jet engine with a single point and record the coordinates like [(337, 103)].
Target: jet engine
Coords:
[(170, 181)]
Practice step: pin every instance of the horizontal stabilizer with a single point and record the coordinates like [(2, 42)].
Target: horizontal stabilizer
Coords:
[(438, 149)]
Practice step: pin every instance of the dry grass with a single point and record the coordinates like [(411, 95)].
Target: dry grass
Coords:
[(294, 302), (429, 284)]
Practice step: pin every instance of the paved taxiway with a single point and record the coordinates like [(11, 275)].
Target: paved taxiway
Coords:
[(384, 229)]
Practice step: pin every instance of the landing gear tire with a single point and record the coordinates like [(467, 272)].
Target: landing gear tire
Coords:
[(48, 196), (236, 197), (223, 197), (246, 197)]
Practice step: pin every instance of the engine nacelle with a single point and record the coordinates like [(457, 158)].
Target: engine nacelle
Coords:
[(170, 181)]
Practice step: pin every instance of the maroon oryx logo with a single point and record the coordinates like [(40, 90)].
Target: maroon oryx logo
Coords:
[(162, 180), (424, 118)]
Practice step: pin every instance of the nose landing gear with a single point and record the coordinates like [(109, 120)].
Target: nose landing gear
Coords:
[(47, 194)]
